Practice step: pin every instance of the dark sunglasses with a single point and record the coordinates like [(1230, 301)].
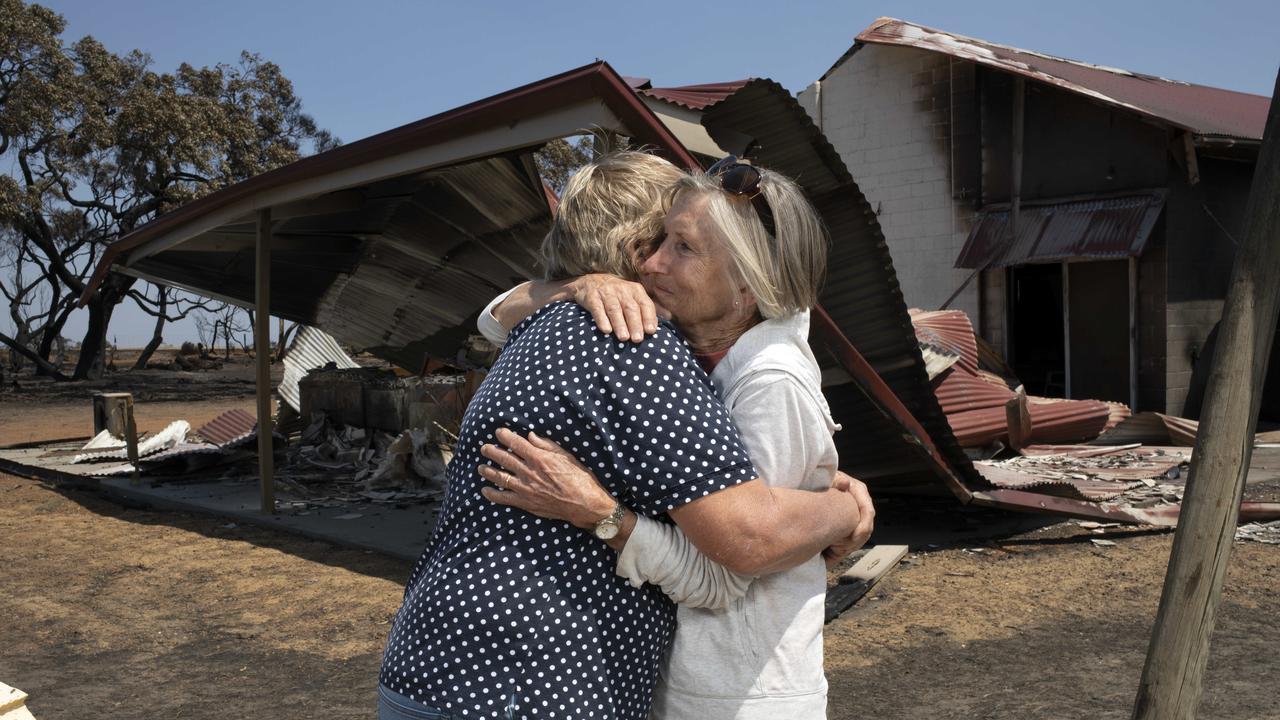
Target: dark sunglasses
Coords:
[(740, 179)]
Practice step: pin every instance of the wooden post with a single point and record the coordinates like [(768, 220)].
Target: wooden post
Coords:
[(1133, 334), (262, 348), (1066, 331), (1015, 177), (131, 439), (1172, 679), (1018, 418)]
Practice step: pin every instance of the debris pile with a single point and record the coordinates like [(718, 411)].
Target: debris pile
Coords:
[(1263, 532), (1136, 475), (973, 387), (412, 461), (176, 450)]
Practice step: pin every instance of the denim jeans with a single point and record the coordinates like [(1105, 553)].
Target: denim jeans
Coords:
[(394, 706)]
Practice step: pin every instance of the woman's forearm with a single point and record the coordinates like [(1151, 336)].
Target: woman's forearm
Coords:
[(754, 529), (809, 522), (661, 555), (527, 298)]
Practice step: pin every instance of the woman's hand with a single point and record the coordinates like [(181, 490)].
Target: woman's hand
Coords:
[(541, 478), (866, 519), (619, 307)]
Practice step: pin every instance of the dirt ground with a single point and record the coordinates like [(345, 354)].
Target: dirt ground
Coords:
[(115, 612)]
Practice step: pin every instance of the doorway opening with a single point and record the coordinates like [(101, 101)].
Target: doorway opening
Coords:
[(1036, 345)]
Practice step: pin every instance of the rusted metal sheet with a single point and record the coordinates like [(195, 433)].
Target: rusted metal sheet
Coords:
[(953, 329), (695, 97), (1091, 489), (231, 428), (1161, 516), (1103, 228), (1052, 421), (1151, 428), (1205, 111)]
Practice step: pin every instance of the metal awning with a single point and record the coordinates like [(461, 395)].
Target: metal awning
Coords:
[(1095, 228)]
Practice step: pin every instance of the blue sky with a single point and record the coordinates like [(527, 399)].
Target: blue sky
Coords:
[(364, 67)]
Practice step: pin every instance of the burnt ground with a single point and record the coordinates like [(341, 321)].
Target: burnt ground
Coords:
[(120, 612)]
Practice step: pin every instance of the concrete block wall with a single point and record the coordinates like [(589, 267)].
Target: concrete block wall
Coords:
[(887, 111), (1188, 324)]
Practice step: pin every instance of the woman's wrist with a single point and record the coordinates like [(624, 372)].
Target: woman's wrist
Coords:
[(596, 509)]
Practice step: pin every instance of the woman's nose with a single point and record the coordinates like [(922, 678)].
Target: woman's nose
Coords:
[(655, 262)]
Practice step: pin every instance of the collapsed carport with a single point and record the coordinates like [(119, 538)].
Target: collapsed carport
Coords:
[(394, 243)]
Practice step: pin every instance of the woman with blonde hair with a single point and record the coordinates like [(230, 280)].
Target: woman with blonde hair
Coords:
[(509, 615), (737, 270)]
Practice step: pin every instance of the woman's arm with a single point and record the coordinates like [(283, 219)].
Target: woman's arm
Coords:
[(648, 550), (618, 306), (660, 554), (751, 528)]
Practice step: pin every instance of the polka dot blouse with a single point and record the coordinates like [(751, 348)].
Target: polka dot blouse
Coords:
[(509, 615)]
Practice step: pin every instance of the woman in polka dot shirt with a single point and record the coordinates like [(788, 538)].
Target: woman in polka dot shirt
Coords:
[(740, 264), (507, 614)]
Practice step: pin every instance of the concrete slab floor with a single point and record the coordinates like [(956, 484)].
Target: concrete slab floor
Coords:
[(399, 530)]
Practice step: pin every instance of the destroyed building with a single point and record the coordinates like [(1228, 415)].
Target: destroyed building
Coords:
[(394, 243), (1130, 189)]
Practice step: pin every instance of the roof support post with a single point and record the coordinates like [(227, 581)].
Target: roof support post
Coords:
[(1066, 330), (1015, 174), (1133, 334), (262, 350), (1173, 677)]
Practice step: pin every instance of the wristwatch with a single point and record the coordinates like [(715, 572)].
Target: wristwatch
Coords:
[(608, 528)]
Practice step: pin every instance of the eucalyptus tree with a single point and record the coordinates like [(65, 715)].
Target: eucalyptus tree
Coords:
[(94, 144)]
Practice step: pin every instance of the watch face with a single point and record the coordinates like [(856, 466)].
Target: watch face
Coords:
[(606, 530)]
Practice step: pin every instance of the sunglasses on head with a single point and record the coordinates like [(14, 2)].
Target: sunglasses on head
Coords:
[(743, 180)]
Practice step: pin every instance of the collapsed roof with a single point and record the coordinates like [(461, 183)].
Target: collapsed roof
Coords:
[(393, 244)]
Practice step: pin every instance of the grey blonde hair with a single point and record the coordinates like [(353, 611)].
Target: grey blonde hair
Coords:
[(609, 209), (784, 274)]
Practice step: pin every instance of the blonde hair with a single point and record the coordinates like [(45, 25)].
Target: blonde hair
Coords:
[(610, 208), (784, 273)]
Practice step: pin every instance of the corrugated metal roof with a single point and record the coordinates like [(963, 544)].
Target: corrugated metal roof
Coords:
[(229, 429), (953, 330), (172, 434), (406, 234), (1152, 428), (312, 348), (1203, 110), (1048, 231), (695, 97)]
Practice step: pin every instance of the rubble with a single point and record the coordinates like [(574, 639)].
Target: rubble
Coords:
[(175, 450), (973, 387), (1268, 532), (412, 462)]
